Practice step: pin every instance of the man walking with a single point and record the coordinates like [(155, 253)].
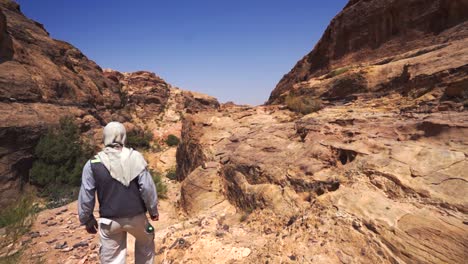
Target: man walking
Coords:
[(125, 191)]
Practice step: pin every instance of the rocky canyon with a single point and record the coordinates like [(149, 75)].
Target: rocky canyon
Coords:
[(375, 173)]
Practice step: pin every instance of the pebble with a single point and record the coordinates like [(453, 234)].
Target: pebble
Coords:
[(34, 234), (83, 260), (67, 249), (61, 211), (81, 244), (25, 241), (51, 241), (38, 255), (61, 245), (93, 256)]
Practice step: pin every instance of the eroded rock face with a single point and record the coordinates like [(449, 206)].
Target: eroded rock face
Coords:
[(42, 80), (385, 35), (153, 103), (362, 182), (154, 95)]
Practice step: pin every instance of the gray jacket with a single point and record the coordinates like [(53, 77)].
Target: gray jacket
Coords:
[(115, 199)]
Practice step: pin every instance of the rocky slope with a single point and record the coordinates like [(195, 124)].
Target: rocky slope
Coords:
[(361, 182), (42, 80), (376, 176), (156, 105), (384, 45), (57, 237), (356, 183)]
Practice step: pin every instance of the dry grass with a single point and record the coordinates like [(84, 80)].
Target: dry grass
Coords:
[(303, 105), (16, 220), (337, 72)]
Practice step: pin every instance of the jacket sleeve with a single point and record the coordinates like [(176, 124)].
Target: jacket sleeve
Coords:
[(86, 198), (148, 192)]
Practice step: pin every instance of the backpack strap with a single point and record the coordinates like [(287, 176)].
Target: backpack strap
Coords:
[(96, 159)]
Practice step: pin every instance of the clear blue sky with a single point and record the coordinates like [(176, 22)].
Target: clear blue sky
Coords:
[(234, 50)]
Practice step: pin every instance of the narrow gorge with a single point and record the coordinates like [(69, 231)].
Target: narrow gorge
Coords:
[(360, 154)]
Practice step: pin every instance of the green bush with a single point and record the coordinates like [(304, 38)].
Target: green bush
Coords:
[(18, 212), (138, 139), (337, 72), (161, 187), (172, 140), (18, 218), (171, 174), (12, 259), (60, 156), (59, 195), (302, 104)]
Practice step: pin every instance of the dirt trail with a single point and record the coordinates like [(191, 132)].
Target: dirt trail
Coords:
[(57, 237)]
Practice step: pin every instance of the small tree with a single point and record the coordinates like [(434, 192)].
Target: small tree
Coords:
[(16, 219), (161, 187), (172, 140), (139, 139), (171, 174), (302, 104), (60, 156)]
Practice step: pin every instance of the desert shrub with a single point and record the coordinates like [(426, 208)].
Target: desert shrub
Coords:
[(11, 259), (171, 174), (139, 139), (59, 195), (161, 187), (60, 156), (18, 218), (337, 72), (302, 104), (247, 212), (156, 147), (172, 140)]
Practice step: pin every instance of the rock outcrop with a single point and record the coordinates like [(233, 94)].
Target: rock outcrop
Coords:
[(43, 79), (355, 183), (375, 176), (153, 103), (384, 45)]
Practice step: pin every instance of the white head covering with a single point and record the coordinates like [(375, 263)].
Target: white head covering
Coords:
[(124, 164)]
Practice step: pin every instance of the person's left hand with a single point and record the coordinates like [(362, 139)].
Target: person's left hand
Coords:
[(154, 217), (91, 226)]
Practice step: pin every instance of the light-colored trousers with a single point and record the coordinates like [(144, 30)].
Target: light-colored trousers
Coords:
[(113, 235)]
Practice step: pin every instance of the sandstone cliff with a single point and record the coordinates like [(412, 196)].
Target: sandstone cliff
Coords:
[(43, 79), (355, 183), (376, 176), (384, 45)]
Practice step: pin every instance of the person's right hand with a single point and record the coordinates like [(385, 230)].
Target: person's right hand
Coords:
[(154, 217), (91, 226)]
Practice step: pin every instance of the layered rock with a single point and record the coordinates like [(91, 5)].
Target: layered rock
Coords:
[(358, 182), (153, 103), (43, 79), (376, 176), (382, 44), (154, 95)]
